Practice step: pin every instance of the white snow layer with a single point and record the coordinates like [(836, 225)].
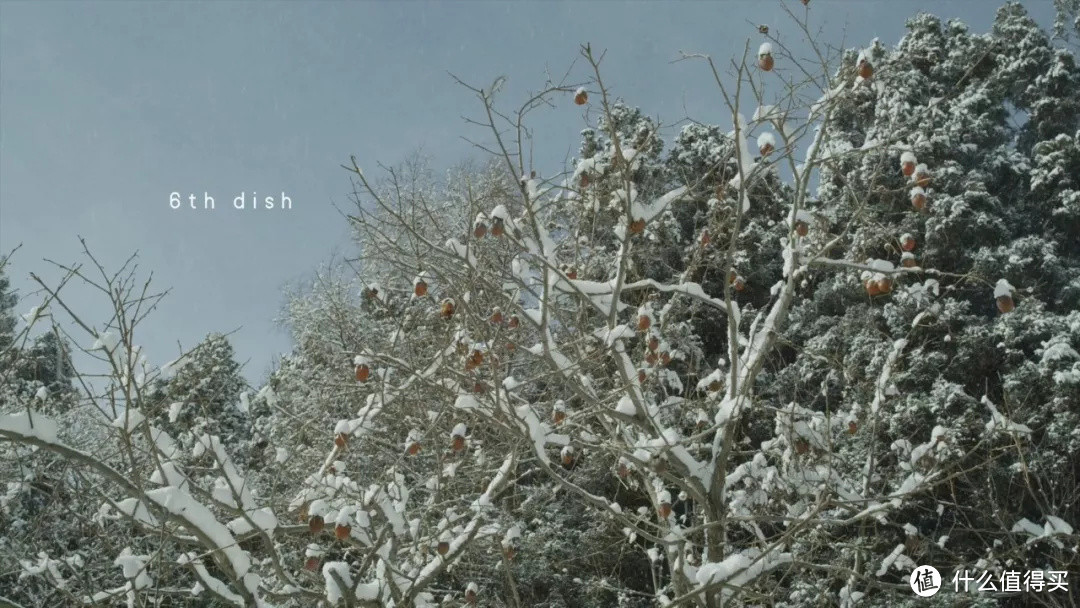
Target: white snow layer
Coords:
[(1003, 288), (29, 424)]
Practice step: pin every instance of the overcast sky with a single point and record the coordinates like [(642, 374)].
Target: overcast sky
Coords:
[(108, 107)]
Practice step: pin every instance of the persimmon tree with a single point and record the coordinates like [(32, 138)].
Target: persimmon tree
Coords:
[(646, 314)]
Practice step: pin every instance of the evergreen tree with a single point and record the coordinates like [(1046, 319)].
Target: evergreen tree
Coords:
[(1001, 205), (48, 361), (8, 299), (204, 396), (1066, 18)]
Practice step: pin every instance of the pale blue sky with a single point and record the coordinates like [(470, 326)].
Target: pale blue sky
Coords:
[(107, 107)]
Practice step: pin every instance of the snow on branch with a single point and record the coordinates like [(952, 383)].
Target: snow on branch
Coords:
[(881, 387), (170, 501), (29, 425), (737, 570), (648, 212), (999, 421)]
